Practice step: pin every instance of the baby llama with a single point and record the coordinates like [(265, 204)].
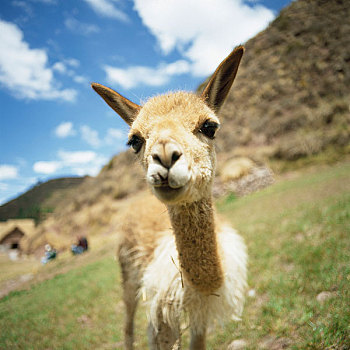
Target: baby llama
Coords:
[(173, 251)]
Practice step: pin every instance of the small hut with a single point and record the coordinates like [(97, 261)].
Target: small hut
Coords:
[(14, 232)]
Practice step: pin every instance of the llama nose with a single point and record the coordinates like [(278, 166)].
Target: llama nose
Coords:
[(166, 154)]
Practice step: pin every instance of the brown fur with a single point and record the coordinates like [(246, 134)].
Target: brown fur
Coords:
[(179, 161), (197, 247), (144, 222)]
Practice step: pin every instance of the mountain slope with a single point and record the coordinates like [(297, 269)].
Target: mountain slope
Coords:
[(39, 200), (292, 91)]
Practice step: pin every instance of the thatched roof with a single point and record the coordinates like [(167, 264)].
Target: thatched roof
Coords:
[(27, 226)]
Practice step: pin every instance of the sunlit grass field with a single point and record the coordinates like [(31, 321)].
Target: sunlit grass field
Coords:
[(298, 237)]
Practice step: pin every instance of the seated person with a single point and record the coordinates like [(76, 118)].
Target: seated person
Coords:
[(50, 254), (81, 246)]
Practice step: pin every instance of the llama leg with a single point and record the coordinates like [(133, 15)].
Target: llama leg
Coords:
[(151, 333), (130, 301), (198, 329), (164, 338), (130, 292), (197, 341)]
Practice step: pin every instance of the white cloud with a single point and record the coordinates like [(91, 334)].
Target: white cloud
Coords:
[(24, 71), (46, 168), (114, 135), (73, 62), (64, 67), (80, 79), (60, 67), (82, 162), (8, 172), (64, 130), (49, 2), (141, 75), (3, 187), (203, 31), (209, 30), (76, 163), (16, 188), (22, 162), (107, 8), (77, 157), (92, 169), (24, 6), (90, 136), (78, 27)]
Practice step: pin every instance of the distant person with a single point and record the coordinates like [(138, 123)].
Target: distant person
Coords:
[(50, 254), (81, 247)]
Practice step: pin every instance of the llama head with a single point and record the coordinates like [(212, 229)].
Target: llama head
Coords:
[(173, 134)]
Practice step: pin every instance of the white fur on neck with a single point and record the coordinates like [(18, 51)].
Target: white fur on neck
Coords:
[(168, 293)]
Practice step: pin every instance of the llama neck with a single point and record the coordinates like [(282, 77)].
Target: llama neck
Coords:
[(195, 236)]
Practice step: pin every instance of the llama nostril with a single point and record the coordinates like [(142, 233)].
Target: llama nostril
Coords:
[(156, 158), (166, 154), (163, 178), (176, 155)]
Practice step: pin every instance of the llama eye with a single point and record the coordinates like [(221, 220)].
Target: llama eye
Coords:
[(209, 128), (136, 143)]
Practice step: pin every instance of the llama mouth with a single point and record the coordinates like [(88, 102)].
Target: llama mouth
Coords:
[(166, 188), (166, 193)]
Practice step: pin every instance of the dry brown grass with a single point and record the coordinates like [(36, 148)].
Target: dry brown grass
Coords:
[(293, 87)]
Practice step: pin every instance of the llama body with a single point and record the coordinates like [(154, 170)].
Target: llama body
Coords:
[(176, 254)]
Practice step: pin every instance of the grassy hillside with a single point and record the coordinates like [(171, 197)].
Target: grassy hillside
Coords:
[(297, 232), (39, 200)]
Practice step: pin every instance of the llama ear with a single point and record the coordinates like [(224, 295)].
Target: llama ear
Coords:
[(221, 81), (125, 108)]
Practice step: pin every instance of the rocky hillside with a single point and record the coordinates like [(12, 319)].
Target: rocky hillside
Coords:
[(291, 97), (290, 100)]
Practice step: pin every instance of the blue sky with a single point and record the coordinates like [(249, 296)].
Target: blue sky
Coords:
[(52, 123)]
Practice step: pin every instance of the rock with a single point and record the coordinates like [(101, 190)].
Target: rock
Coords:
[(237, 344), (27, 277), (257, 179), (13, 254), (324, 296), (85, 321), (272, 343), (236, 168), (251, 293), (241, 178)]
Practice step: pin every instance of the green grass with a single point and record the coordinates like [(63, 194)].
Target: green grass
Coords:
[(297, 232), (76, 310), (298, 237)]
